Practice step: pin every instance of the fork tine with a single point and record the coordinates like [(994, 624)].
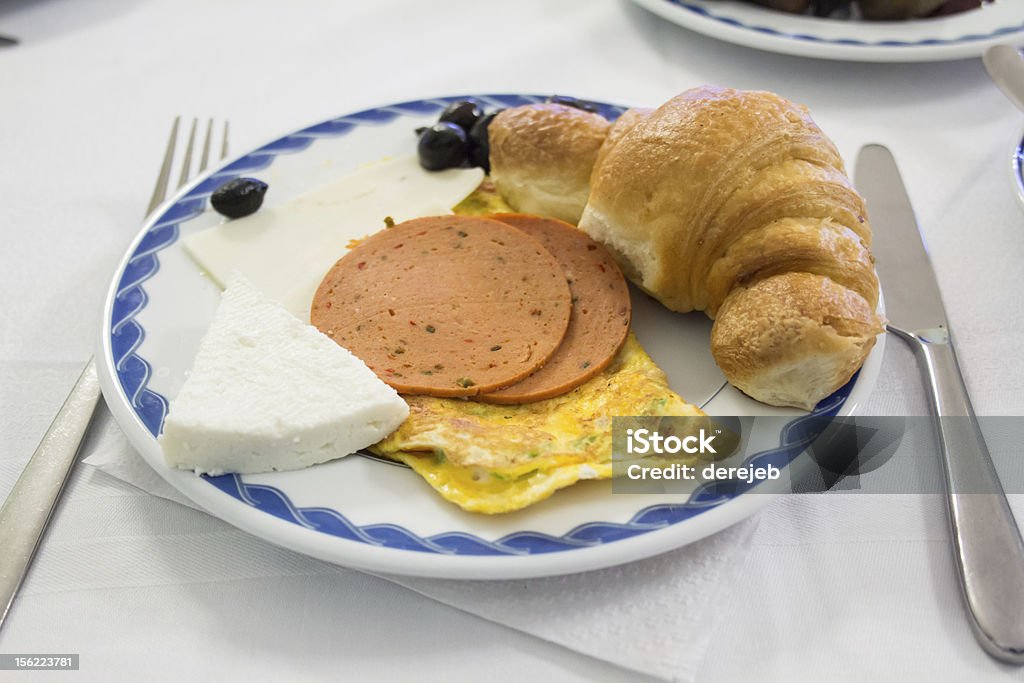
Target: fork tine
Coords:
[(224, 142), (186, 164), (163, 179), (160, 191), (205, 159)]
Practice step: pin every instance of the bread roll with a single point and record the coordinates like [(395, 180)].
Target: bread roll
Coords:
[(542, 155), (736, 204)]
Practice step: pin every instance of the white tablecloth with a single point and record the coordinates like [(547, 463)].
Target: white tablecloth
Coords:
[(834, 587)]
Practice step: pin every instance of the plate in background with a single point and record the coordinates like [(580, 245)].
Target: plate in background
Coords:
[(959, 36)]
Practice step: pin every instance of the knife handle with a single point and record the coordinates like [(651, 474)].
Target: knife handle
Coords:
[(27, 510), (986, 541)]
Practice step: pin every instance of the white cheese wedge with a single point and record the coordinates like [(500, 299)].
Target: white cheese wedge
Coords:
[(286, 250), (270, 393)]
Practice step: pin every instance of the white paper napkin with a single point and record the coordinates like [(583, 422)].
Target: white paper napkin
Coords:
[(655, 616)]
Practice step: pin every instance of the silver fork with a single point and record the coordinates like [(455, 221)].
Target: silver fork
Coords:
[(27, 510)]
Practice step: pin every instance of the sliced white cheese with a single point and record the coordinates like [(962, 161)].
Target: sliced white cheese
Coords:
[(270, 393), (286, 250)]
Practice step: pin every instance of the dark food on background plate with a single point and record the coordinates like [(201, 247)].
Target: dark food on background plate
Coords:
[(239, 197), (878, 10)]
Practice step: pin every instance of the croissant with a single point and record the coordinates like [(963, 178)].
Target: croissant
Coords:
[(724, 201)]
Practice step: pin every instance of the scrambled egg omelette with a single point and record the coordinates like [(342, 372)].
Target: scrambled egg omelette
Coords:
[(492, 458)]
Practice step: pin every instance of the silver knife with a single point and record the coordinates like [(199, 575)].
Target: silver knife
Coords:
[(987, 544)]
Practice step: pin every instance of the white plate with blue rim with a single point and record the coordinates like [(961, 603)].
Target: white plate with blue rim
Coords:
[(957, 36), (364, 514)]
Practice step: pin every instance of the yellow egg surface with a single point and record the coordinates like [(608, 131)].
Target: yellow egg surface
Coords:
[(495, 458)]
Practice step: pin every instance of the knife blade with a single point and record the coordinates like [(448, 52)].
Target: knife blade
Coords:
[(987, 545), (912, 296)]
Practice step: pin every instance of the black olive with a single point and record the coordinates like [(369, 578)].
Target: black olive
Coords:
[(567, 101), (239, 197), (443, 145), (463, 114), (479, 147)]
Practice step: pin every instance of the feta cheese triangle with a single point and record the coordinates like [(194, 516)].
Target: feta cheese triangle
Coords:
[(270, 393)]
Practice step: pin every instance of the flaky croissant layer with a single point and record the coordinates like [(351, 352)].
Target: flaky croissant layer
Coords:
[(730, 202)]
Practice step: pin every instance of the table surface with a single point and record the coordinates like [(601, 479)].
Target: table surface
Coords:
[(835, 586)]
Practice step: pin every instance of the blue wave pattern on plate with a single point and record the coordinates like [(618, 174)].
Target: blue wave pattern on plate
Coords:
[(970, 37), (134, 372)]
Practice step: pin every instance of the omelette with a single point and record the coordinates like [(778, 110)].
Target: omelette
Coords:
[(491, 459), (494, 458)]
